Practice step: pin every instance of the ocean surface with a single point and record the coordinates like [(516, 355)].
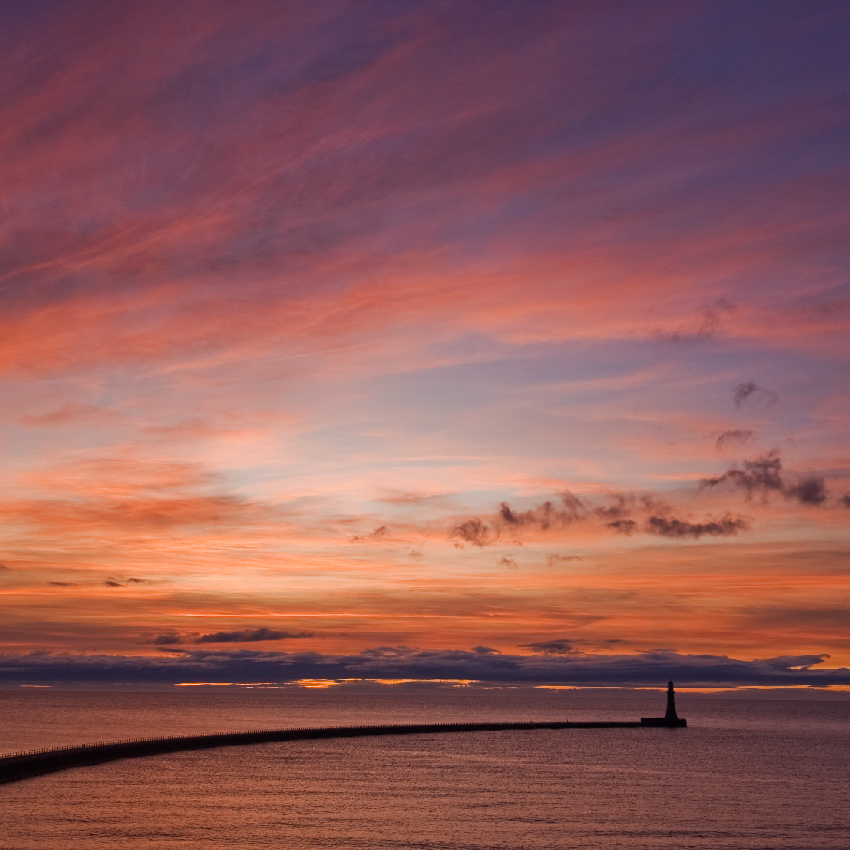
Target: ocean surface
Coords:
[(746, 774)]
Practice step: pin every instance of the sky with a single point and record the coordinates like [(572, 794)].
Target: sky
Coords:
[(405, 339)]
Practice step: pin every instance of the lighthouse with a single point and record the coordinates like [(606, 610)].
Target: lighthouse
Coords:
[(670, 719)]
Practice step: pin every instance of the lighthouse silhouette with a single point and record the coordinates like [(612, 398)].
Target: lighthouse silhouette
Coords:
[(670, 719)]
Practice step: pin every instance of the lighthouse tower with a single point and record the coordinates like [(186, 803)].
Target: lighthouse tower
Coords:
[(670, 719)]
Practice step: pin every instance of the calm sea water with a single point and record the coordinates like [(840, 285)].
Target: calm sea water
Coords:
[(745, 774)]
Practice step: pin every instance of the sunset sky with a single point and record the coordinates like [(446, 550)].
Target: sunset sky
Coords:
[(498, 341)]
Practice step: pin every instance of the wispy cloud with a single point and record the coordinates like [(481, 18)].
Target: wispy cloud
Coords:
[(554, 559), (734, 437)]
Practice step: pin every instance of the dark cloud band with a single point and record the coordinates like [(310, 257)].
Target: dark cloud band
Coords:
[(557, 666)]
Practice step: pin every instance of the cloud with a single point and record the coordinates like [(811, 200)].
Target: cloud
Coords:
[(553, 559), (621, 507), (672, 527), (623, 526), (707, 325), (110, 583), (113, 474), (473, 531), (744, 391), (830, 616), (85, 414), (807, 491), (764, 475), (751, 391), (545, 515), (736, 437), (140, 513), (132, 580), (61, 583), (400, 497), (641, 669), (378, 534), (250, 636), (560, 646), (617, 514), (844, 501), (510, 563), (167, 639)]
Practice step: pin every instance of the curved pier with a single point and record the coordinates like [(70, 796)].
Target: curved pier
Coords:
[(23, 765)]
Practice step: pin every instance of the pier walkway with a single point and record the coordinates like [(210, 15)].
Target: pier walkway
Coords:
[(23, 765)]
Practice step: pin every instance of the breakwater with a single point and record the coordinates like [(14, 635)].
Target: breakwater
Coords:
[(24, 765)]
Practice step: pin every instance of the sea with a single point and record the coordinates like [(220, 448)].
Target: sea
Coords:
[(747, 774)]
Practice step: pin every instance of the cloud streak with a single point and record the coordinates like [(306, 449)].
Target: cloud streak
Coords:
[(251, 636), (677, 528), (559, 646), (616, 516)]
